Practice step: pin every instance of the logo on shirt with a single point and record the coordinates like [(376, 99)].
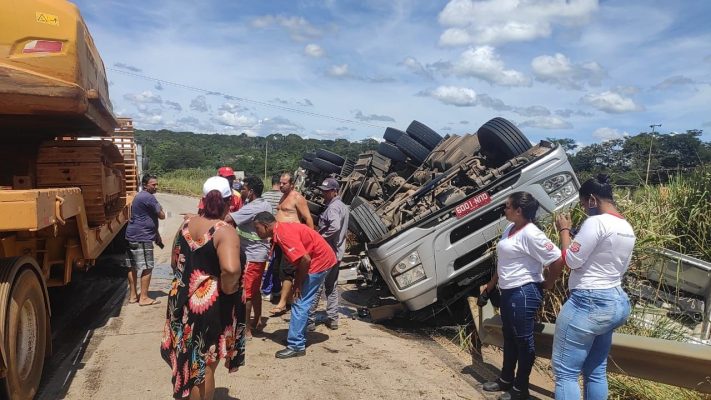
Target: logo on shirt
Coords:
[(575, 247), (549, 246), (291, 249)]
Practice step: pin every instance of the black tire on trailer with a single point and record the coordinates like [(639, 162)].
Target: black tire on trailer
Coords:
[(330, 157), (26, 326), (424, 134), (309, 166), (501, 140), (391, 151), (326, 166), (309, 156), (412, 148), (367, 220), (392, 135)]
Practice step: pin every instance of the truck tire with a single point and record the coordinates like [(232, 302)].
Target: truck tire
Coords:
[(309, 156), (314, 207), (330, 157), (309, 166), (424, 135), (417, 152), (392, 135), (326, 166), (25, 330), (367, 220), (501, 140), (391, 151)]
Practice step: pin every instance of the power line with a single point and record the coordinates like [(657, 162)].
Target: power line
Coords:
[(246, 100)]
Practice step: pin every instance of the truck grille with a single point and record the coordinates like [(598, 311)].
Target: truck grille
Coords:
[(476, 223)]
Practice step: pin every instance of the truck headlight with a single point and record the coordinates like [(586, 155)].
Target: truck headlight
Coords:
[(563, 194), (408, 271)]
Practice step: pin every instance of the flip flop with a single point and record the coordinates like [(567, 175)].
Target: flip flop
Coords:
[(277, 311), (133, 301), (155, 301)]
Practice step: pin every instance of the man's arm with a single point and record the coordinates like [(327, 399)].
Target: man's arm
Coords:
[(303, 210), (332, 225)]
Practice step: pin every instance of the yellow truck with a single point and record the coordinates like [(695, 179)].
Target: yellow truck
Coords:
[(67, 174)]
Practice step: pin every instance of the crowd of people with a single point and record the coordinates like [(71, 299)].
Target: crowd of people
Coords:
[(246, 245)]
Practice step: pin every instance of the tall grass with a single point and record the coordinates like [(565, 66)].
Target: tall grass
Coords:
[(186, 182)]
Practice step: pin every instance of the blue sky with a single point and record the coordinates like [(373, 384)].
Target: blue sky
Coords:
[(582, 69)]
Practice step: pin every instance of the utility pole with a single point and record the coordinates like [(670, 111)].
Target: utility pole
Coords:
[(649, 159)]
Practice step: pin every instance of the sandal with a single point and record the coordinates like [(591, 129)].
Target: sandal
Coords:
[(277, 311), (154, 301)]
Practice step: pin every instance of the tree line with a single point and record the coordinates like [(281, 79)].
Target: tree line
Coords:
[(626, 159)]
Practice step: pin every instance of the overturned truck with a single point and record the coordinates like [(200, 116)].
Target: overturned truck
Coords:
[(426, 209)]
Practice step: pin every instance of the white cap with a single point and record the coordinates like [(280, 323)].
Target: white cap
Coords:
[(218, 183)]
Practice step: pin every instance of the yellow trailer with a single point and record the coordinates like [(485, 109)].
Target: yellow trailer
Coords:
[(67, 174)]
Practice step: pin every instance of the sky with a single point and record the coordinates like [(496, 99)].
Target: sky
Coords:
[(581, 69)]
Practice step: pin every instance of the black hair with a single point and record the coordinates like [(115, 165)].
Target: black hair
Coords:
[(526, 202), (599, 186), (275, 179), (255, 184), (146, 178), (265, 217)]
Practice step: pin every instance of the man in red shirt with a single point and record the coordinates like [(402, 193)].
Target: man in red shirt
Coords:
[(313, 258), (229, 174)]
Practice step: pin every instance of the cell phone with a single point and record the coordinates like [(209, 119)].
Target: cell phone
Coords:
[(160, 244)]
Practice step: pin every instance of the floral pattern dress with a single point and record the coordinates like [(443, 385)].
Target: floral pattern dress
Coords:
[(202, 323)]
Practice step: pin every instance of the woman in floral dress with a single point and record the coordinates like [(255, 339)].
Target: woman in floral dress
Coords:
[(205, 317)]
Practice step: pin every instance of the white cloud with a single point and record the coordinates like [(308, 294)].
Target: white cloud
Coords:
[(174, 105), (232, 107), (199, 104), (329, 134), (502, 21), (484, 63), (611, 102), (416, 67), (314, 50), (673, 81), (456, 96), (559, 70), (143, 97), (605, 134), (548, 122), (235, 120), (298, 27), (372, 117), (338, 71)]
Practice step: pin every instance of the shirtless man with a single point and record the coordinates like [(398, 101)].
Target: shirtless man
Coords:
[(292, 208)]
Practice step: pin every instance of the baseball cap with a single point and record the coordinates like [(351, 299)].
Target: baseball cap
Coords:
[(329, 184), (217, 183), (225, 172)]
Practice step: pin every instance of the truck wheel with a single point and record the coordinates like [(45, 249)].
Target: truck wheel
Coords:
[(424, 135), (392, 135), (412, 148), (309, 166), (501, 140), (326, 166), (309, 156), (314, 207), (330, 157), (363, 214), (25, 334), (391, 151)]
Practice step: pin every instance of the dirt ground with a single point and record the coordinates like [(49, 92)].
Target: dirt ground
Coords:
[(358, 361)]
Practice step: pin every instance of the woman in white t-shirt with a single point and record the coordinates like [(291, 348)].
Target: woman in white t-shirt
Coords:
[(597, 258), (522, 253)]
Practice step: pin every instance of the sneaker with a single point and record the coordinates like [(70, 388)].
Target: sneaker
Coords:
[(266, 297), (497, 386), (332, 324), (311, 327)]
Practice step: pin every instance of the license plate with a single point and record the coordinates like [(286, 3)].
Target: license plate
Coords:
[(472, 204)]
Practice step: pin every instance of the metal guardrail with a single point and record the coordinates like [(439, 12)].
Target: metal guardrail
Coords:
[(675, 363)]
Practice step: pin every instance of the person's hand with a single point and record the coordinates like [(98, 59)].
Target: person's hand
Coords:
[(297, 292), (484, 288), (563, 221)]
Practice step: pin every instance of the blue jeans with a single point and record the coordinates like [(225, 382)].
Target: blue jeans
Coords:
[(583, 335), (518, 313), (270, 278), (296, 339)]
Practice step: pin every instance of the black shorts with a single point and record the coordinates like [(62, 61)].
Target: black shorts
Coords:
[(285, 268)]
